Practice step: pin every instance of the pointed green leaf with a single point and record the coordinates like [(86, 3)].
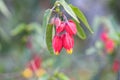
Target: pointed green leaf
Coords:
[(81, 16), (4, 9), (46, 17), (80, 32), (49, 38), (68, 9)]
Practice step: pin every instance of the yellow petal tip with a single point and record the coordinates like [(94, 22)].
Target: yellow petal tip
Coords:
[(70, 51), (56, 53)]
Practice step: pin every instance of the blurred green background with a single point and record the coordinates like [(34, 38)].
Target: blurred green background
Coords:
[(21, 36)]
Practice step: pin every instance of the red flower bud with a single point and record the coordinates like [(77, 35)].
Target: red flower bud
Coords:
[(116, 66), (35, 63), (70, 27), (68, 43), (57, 44), (109, 45), (104, 36), (60, 28), (56, 21)]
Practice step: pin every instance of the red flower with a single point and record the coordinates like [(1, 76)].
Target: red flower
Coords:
[(109, 45), (104, 36), (56, 21), (68, 43), (116, 66), (35, 63), (34, 66), (70, 27), (57, 44), (63, 36), (60, 28)]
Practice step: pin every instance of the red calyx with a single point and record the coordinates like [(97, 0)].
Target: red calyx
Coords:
[(109, 45), (35, 64), (104, 36), (68, 43), (116, 66), (70, 27), (56, 21), (60, 28), (57, 44)]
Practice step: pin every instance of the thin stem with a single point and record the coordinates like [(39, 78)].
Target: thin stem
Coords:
[(53, 8), (65, 18)]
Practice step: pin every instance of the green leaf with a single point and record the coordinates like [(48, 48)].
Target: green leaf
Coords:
[(63, 77), (81, 16), (4, 9), (80, 32), (49, 38), (46, 17), (68, 10)]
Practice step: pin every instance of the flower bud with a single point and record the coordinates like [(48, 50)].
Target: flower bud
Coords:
[(70, 27), (56, 21), (104, 36), (68, 43), (57, 44), (35, 63), (110, 45), (60, 28), (116, 66)]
